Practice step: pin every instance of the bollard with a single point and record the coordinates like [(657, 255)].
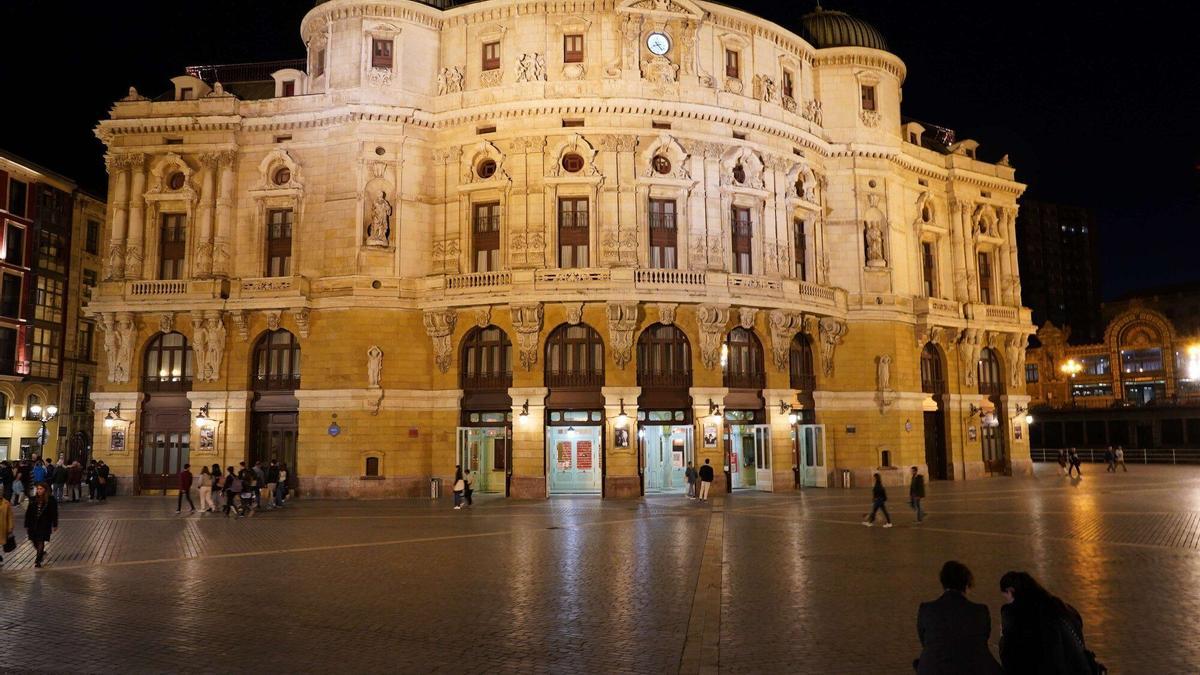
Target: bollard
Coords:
[(435, 488), (845, 478)]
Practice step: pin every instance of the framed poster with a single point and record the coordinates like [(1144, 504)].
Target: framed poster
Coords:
[(117, 441), (1017, 432), (971, 433), (710, 436), (208, 439), (621, 438)]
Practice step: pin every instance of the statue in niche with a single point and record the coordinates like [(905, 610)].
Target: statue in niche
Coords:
[(874, 245), (883, 374), (381, 213), (374, 366)]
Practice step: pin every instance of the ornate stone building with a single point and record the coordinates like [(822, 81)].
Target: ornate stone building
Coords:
[(571, 247)]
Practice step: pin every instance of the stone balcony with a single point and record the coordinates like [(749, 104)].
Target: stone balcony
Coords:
[(173, 291), (271, 287), (1019, 317), (935, 309)]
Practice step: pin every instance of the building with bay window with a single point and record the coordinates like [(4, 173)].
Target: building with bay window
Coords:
[(573, 249)]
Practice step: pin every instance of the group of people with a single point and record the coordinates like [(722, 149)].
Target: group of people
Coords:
[(1069, 461), (699, 481), (63, 479), (238, 492), (464, 487), (916, 499), (1039, 632)]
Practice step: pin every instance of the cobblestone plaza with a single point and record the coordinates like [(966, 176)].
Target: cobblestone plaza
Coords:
[(753, 583)]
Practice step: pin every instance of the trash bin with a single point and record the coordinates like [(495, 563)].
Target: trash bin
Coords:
[(845, 478), (435, 488)]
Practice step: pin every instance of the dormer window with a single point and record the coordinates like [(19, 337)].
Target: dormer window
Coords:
[(572, 49), (733, 60), (381, 54), (289, 88), (868, 97), (491, 56), (187, 94)]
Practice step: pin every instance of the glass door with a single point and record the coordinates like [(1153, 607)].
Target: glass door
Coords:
[(762, 458), (750, 456), (483, 450), (812, 455), (667, 451), (573, 459)]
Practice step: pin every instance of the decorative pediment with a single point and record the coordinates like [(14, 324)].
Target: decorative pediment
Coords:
[(802, 182), (577, 145), (165, 166), (474, 159), (742, 167), (269, 172), (667, 147), (662, 8)]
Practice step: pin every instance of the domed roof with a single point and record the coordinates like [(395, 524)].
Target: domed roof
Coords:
[(828, 28)]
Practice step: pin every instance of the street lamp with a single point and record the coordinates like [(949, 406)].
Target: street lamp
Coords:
[(113, 416), (43, 415), (1072, 368)]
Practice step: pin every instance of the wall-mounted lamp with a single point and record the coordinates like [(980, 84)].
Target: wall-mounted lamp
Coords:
[(714, 411), (975, 410), (113, 416), (622, 418), (524, 414), (1028, 415)]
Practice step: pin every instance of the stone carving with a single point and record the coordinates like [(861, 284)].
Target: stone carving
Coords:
[(764, 88), (273, 319), (166, 322), (631, 31), (238, 317), (666, 146), (751, 166), (658, 70), (531, 68), (875, 245), (374, 366), (883, 372), (439, 325), (687, 47), (301, 316), (784, 326), (379, 77), (789, 103), (666, 313), (622, 322), (823, 268), (812, 111), (527, 322), (746, 316), (1014, 354), (134, 96), (733, 85), (969, 346), (574, 71), (450, 80), (214, 349), (870, 118), (712, 320), (483, 316), (491, 78), (574, 312), (381, 214), (119, 336), (831, 333)]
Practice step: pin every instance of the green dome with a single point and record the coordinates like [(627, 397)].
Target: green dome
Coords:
[(825, 28)]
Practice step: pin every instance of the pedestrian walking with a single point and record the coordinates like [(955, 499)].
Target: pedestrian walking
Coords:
[(75, 481), (1110, 460), (206, 488), (41, 520), (58, 481), (7, 522), (916, 494), (89, 477), (468, 486), (230, 489), (1040, 632), (1075, 462), (459, 486), (185, 489), (1120, 459), (39, 472), (102, 475), (260, 479), (691, 476), (706, 480), (1062, 461), (954, 631), (281, 489), (272, 482), (7, 478), (218, 484), (878, 503)]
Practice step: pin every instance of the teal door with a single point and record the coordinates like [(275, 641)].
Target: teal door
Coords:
[(573, 459)]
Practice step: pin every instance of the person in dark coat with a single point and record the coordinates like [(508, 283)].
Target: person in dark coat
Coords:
[(954, 631), (878, 503), (7, 477), (74, 479), (916, 493), (1041, 634), (102, 475), (41, 520)]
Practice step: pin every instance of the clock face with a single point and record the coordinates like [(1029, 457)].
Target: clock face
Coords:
[(658, 43)]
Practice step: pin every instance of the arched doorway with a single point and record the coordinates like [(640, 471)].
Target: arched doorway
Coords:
[(665, 434), (748, 438), (933, 382), (574, 374), (275, 410), (485, 376), (165, 441), (991, 384)]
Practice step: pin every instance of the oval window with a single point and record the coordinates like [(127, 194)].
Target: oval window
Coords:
[(486, 168), (176, 181), (572, 163), (283, 176), (739, 174), (661, 164)]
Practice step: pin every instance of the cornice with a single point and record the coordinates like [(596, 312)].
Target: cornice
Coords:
[(852, 56)]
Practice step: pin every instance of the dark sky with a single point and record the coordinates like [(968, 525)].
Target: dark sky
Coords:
[(1095, 102)]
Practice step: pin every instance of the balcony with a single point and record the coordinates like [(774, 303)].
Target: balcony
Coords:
[(500, 280), (669, 279), (170, 289), (998, 314), (939, 308)]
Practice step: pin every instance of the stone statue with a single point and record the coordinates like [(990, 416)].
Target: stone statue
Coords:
[(883, 374), (126, 335), (200, 347), (374, 366), (110, 349), (874, 245), (539, 67), (215, 348), (381, 212), (525, 66)]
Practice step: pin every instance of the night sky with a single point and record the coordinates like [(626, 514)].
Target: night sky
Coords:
[(1096, 103)]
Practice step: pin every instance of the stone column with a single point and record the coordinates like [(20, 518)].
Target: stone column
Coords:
[(715, 455), (203, 266), (120, 199), (220, 261), (621, 466), (528, 443), (134, 253), (968, 251)]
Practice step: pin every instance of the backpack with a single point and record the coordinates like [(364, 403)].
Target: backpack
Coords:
[(234, 485)]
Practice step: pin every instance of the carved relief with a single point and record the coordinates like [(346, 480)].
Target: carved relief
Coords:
[(784, 326), (812, 111), (379, 227), (969, 346), (659, 71), (374, 366), (764, 88), (120, 333), (527, 322), (574, 312), (491, 78), (575, 144), (1014, 355), (301, 316), (531, 68), (483, 316), (874, 244), (450, 80), (439, 325), (238, 317), (744, 162), (712, 320), (666, 312), (273, 319), (166, 322), (870, 118), (733, 85), (622, 322), (665, 146), (379, 77), (574, 71), (831, 333), (746, 316), (208, 344), (883, 373)]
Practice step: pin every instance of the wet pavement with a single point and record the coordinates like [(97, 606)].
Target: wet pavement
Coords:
[(752, 583)]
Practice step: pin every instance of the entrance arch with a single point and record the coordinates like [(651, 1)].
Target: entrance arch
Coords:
[(485, 431), (933, 382), (990, 376), (574, 374), (665, 434), (275, 410), (165, 439)]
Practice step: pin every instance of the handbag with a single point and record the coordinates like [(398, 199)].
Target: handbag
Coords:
[(10, 544)]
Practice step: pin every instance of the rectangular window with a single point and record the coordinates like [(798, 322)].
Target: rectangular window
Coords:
[(279, 242), (868, 97), (572, 49), (92, 243), (1031, 373), (572, 123), (660, 125), (87, 333), (44, 352), (172, 141), (929, 269), (742, 240), (381, 54), (573, 232), (289, 88), (733, 63), (48, 301), (172, 246), (801, 249), (10, 296), (83, 391), (788, 86), (52, 252), (17, 193), (663, 234), (491, 55), (499, 454), (14, 244), (486, 239), (187, 94), (985, 278)]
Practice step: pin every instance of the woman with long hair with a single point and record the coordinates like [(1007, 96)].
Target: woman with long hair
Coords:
[(41, 519), (1040, 632), (206, 503)]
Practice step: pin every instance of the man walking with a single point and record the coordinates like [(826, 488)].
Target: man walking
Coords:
[(260, 478), (1120, 459), (690, 475), (185, 488), (58, 479), (102, 474), (1110, 460), (74, 479), (1075, 462), (706, 479), (272, 482), (916, 493)]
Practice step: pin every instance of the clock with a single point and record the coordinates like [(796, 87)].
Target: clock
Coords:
[(658, 43)]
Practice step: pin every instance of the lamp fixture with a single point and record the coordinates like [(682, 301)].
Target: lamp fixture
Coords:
[(525, 408), (113, 416), (714, 411), (975, 410), (784, 407), (622, 418)]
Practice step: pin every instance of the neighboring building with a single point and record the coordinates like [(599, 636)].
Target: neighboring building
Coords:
[(1140, 387), (1179, 303), (79, 361), (1060, 271), (570, 247), (41, 212)]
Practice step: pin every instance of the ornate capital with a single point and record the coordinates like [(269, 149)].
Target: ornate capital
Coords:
[(527, 322), (831, 332), (622, 322), (784, 326), (439, 325), (712, 320)]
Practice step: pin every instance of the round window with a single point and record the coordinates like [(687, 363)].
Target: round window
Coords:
[(572, 162), (176, 181), (739, 174), (926, 214), (282, 176), (661, 164), (486, 168)]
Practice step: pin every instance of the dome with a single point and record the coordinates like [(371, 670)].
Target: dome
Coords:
[(828, 28)]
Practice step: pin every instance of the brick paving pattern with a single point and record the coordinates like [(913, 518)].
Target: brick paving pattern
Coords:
[(581, 585)]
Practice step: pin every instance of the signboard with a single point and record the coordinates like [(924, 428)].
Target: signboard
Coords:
[(710, 436), (208, 439), (117, 441), (583, 455)]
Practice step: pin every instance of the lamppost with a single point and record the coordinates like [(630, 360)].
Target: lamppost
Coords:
[(1072, 368), (43, 415)]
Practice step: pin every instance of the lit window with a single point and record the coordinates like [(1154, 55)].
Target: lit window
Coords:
[(868, 97), (381, 54)]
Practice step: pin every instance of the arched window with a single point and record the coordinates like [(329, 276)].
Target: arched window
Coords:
[(744, 367), (3, 406), (30, 402), (664, 358), (990, 381), (574, 357), (932, 379), (486, 359), (800, 364), (276, 362), (168, 364)]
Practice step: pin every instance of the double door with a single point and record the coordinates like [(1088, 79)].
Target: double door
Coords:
[(666, 451), (810, 439), (165, 441), (485, 451), (274, 438), (574, 459), (749, 457)]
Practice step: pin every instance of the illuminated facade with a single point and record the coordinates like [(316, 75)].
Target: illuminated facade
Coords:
[(570, 247)]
